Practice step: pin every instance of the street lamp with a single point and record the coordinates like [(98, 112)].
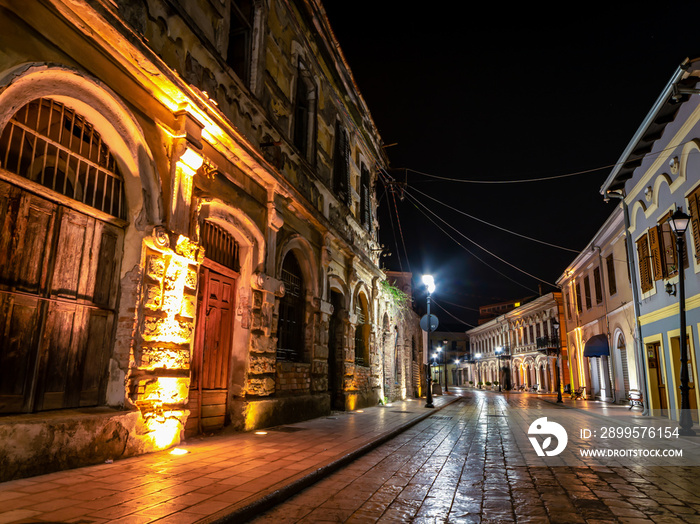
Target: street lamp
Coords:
[(679, 223), (478, 369), (499, 354), (444, 364), (429, 283), (557, 346)]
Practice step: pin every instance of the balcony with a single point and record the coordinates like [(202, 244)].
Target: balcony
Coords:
[(547, 344)]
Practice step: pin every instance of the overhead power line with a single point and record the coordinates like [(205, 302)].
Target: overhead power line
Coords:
[(454, 317), (545, 178), (478, 245), (494, 225)]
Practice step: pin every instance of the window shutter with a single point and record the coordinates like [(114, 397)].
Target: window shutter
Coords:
[(365, 203), (341, 165), (656, 254), (612, 285), (644, 269), (695, 219)]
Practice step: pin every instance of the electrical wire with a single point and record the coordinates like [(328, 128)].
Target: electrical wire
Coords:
[(471, 252), (393, 231), (398, 221), (554, 177), (493, 225), (518, 181), (481, 247), (454, 317), (458, 305)]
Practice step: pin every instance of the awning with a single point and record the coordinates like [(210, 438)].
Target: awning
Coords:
[(596, 346)]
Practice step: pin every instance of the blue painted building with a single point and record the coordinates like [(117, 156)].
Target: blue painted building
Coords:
[(658, 172)]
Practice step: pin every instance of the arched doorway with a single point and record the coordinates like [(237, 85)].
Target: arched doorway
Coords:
[(61, 235), (292, 310), (335, 350), (211, 355)]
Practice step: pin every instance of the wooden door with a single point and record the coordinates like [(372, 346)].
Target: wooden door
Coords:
[(676, 365), (58, 280), (657, 384), (212, 353)]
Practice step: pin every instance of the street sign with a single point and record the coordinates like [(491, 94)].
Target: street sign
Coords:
[(433, 322)]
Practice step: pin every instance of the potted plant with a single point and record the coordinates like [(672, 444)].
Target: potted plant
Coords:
[(471, 383), (479, 384), (495, 384)]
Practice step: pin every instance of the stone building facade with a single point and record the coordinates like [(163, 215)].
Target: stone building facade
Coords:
[(522, 349), (189, 234)]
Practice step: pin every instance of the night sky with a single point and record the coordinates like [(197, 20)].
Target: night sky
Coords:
[(504, 95)]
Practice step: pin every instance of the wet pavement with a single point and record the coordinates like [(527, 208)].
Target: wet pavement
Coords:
[(472, 459), (228, 476), (474, 462)]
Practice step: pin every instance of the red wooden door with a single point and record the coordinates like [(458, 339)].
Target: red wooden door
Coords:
[(212, 353)]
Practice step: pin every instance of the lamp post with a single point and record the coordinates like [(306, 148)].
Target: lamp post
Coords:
[(434, 361), (499, 352), (557, 347), (478, 369), (430, 285), (444, 363), (679, 223)]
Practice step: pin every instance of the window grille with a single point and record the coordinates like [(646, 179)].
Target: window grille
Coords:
[(52, 145), (290, 325), (220, 246), (360, 347)]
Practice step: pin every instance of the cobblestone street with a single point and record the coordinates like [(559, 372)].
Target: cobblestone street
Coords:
[(473, 462)]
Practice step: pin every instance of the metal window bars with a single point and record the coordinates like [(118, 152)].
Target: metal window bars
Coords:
[(52, 145)]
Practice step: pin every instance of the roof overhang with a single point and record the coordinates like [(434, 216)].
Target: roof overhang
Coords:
[(678, 90)]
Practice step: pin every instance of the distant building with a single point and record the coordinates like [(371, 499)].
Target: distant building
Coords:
[(599, 312), (519, 349), (453, 349), (491, 311)]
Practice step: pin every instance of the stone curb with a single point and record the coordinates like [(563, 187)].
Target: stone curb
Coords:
[(278, 496)]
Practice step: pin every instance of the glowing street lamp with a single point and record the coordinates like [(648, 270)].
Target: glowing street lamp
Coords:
[(478, 368), (679, 223), (429, 283)]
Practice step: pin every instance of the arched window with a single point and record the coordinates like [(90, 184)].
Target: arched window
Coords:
[(219, 245), (304, 112), (59, 263), (290, 326), (52, 145), (362, 332)]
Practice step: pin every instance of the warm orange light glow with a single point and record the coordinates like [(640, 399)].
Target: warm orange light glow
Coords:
[(165, 431), (261, 432), (192, 159), (179, 451), (359, 411)]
